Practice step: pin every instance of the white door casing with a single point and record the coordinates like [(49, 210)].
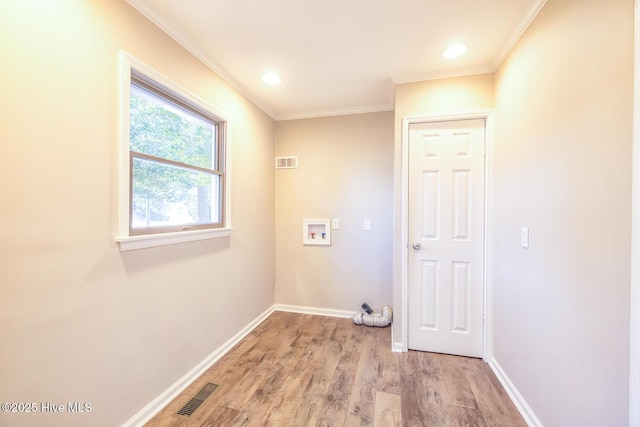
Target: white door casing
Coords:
[(446, 236)]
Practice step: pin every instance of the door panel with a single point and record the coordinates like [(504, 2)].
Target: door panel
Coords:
[(446, 225), (429, 293), (431, 204)]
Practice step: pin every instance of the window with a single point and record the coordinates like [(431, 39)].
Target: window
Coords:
[(172, 163)]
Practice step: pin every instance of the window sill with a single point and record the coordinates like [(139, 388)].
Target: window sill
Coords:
[(131, 243)]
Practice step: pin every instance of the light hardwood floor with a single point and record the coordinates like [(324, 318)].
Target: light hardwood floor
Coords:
[(302, 370)]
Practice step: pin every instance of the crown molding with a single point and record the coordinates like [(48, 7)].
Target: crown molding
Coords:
[(517, 33), (176, 35)]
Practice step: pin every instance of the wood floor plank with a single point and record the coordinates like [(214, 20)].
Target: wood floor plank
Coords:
[(493, 401), (361, 402), (387, 410), (304, 370), (456, 371), (221, 417), (267, 398), (335, 399), (425, 402), (462, 416), (317, 391), (388, 368), (287, 408)]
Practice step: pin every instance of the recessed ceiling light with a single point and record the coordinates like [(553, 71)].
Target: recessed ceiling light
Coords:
[(272, 79), (454, 51)]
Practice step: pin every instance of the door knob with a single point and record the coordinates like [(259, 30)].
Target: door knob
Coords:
[(416, 246)]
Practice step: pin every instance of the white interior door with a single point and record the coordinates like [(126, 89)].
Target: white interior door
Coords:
[(446, 237)]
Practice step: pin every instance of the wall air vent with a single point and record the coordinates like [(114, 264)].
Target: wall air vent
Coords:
[(287, 162)]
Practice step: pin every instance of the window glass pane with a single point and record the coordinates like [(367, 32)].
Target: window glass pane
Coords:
[(166, 195), (163, 129)]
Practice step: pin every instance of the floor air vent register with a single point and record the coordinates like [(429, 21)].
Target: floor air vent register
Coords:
[(194, 403)]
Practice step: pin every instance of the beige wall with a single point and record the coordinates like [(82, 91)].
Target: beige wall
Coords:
[(79, 320), (562, 167), (444, 96), (420, 99), (345, 171)]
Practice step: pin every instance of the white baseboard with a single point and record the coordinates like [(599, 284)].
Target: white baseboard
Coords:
[(397, 347), (179, 386), (313, 310), (522, 406)]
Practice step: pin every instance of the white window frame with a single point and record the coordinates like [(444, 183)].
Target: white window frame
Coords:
[(127, 242)]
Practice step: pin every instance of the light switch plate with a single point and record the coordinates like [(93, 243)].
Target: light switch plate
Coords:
[(335, 223), (524, 237), (366, 225)]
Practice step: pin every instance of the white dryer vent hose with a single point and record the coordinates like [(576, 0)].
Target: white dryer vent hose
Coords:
[(379, 320)]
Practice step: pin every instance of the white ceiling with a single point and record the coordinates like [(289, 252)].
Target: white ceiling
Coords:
[(339, 56)]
